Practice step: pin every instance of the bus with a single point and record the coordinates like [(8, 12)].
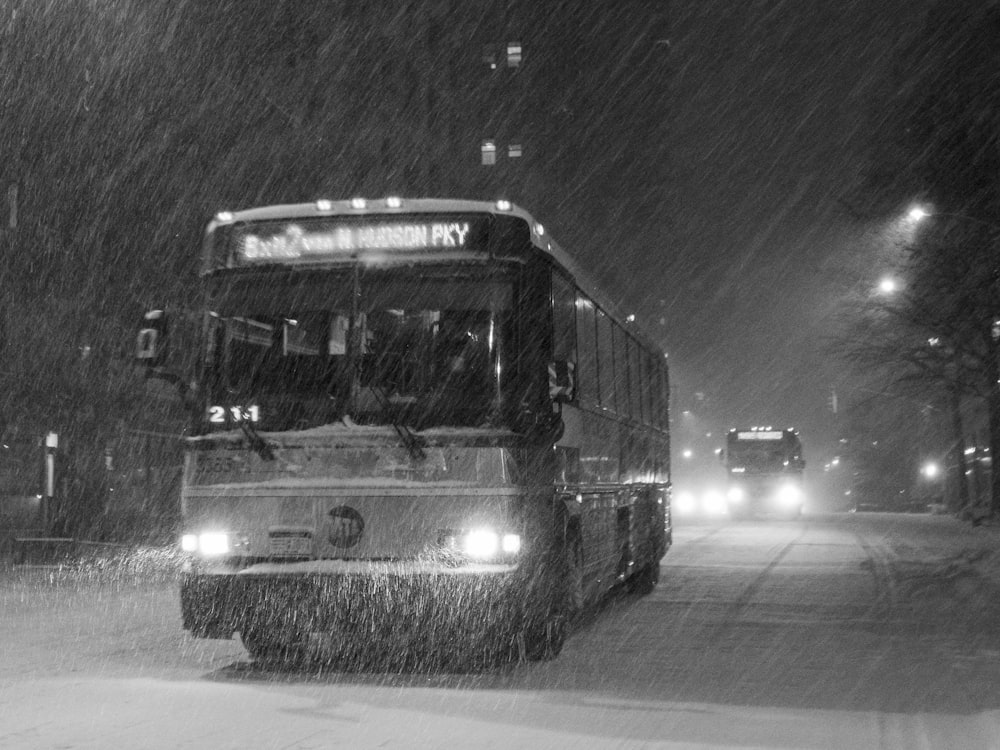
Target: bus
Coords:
[(764, 467), (418, 431)]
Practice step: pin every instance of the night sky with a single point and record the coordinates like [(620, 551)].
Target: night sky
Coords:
[(738, 264), (774, 103)]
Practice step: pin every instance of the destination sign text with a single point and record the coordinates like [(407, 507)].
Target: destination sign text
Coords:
[(297, 243)]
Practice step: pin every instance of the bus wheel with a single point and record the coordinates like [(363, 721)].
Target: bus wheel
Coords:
[(574, 576), (645, 579), (543, 638)]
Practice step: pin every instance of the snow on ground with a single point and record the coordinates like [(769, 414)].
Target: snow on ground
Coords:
[(985, 543), (93, 712), (185, 693)]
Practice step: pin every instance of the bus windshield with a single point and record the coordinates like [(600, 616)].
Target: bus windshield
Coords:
[(764, 452), (298, 350), (759, 456)]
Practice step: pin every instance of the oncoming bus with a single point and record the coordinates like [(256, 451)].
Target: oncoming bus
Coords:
[(765, 467), (418, 432)]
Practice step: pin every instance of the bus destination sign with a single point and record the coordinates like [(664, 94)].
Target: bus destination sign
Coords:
[(293, 242), (760, 435)]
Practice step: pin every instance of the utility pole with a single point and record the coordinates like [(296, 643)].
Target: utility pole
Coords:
[(49, 500)]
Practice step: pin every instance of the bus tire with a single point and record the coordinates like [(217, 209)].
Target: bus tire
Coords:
[(644, 580), (542, 638)]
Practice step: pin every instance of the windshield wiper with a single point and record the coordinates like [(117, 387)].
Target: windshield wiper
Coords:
[(259, 445), (414, 445)]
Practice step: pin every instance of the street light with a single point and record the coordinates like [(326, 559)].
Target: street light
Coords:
[(918, 213), (888, 285)]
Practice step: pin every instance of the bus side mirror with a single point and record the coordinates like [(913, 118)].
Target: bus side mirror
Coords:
[(151, 343), (562, 383), (151, 349)]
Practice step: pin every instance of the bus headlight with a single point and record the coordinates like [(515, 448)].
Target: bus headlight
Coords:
[(510, 544), (208, 543), (482, 544)]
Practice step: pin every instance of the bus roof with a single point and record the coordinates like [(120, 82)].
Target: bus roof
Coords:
[(392, 206)]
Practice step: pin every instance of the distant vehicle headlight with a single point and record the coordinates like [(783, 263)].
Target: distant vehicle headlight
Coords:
[(789, 494), (685, 503), (714, 503), (736, 495)]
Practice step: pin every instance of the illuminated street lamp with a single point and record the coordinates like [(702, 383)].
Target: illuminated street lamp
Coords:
[(918, 213), (888, 285), (930, 470)]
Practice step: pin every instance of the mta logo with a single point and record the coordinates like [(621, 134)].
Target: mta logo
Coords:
[(344, 526)]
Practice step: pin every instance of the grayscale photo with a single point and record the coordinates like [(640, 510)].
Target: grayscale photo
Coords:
[(499, 374)]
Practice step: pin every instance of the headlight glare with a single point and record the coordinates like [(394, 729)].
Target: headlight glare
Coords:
[(685, 503), (789, 494), (213, 543), (481, 544), (511, 544), (714, 503), (208, 543)]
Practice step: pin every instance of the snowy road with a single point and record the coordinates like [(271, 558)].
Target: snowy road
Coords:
[(830, 632)]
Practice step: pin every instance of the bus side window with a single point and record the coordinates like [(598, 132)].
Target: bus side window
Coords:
[(658, 389), (647, 370), (621, 378), (337, 343), (634, 379), (606, 362), (648, 373), (564, 329), (586, 337)]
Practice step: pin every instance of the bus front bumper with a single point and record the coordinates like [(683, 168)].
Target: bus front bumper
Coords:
[(352, 602)]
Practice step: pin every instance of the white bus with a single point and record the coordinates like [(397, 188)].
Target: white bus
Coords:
[(419, 433)]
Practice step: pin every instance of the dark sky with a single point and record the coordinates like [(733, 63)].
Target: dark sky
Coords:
[(774, 102)]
